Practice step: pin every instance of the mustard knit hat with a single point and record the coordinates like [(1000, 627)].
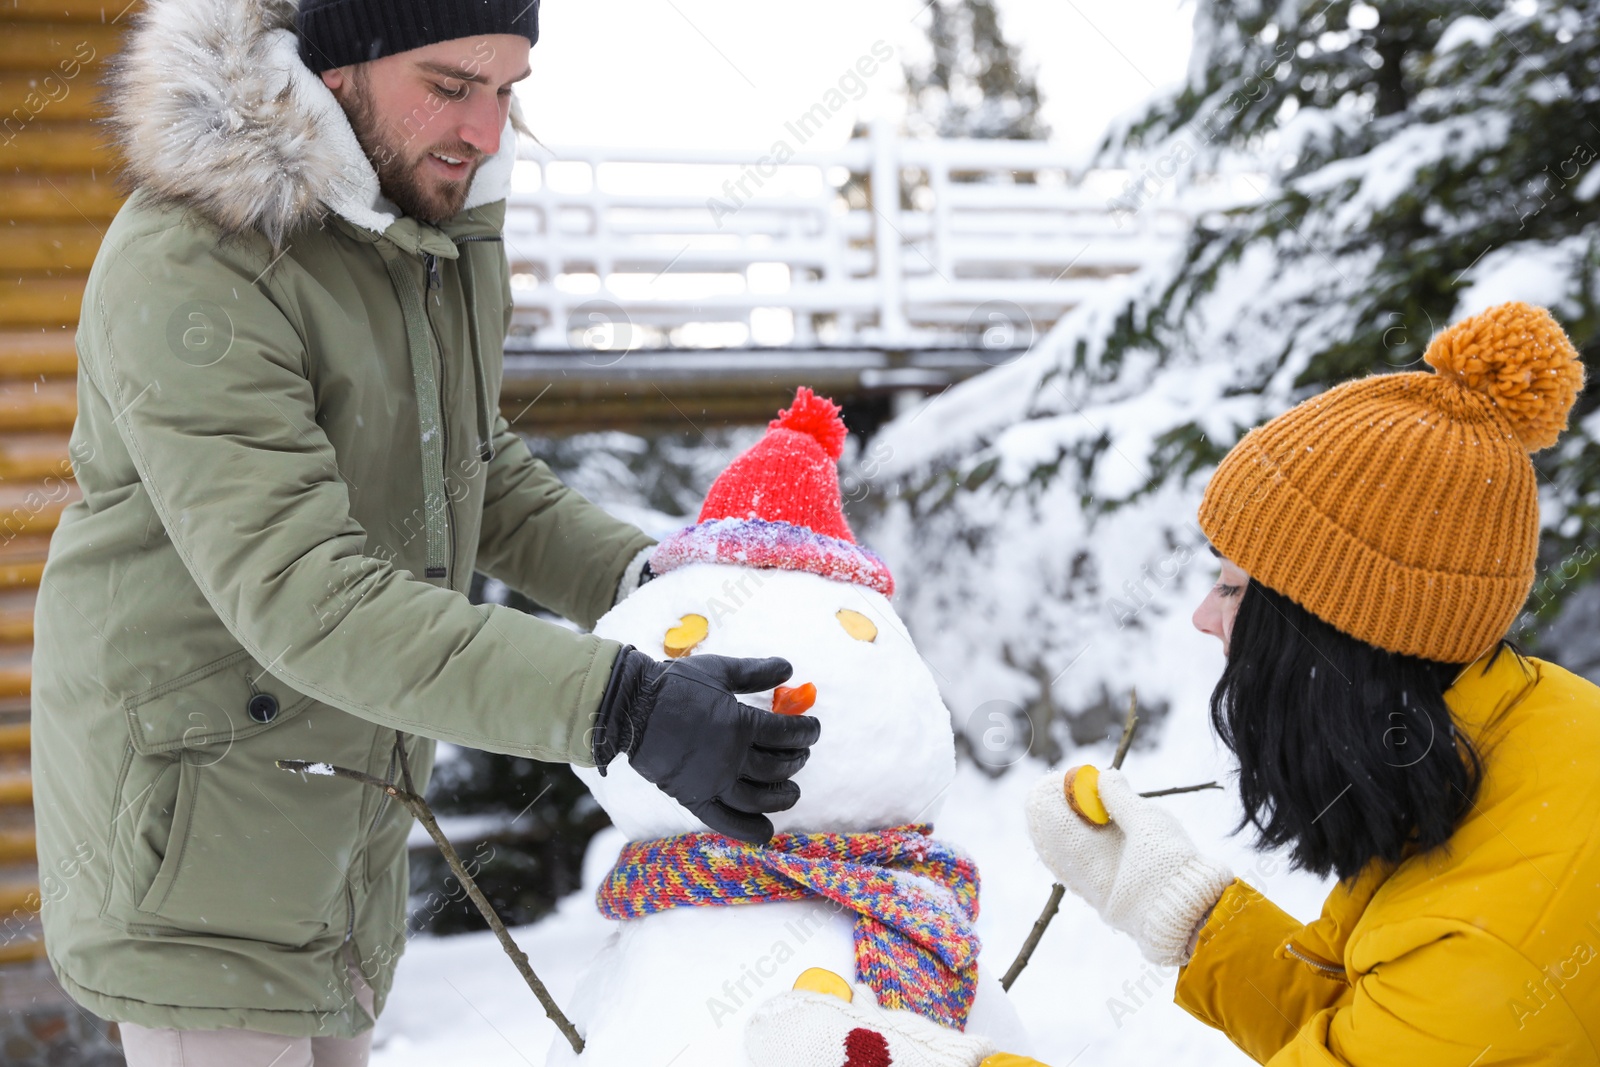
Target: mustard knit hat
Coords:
[(1403, 509)]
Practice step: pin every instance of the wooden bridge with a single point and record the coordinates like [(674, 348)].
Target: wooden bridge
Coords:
[(659, 289)]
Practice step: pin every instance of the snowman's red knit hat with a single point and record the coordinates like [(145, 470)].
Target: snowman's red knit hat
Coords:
[(778, 505)]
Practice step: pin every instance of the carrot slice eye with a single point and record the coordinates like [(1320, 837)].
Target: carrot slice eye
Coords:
[(682, 638), (794, 701), (857, 625), (1082, 788)]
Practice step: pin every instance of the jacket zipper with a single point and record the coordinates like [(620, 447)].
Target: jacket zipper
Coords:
[(480, 379), (435, 283), (1312, 961)]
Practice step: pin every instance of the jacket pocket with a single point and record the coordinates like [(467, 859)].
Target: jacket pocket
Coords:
[(251, 853), (209, 708), (181, 809), (223, 843), (141, 827)]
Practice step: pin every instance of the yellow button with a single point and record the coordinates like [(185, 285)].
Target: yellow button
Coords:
[(682, 638), (822, 980), (857, 625)]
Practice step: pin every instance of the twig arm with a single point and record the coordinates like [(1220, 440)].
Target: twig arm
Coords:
[(1128, 728), (1039, 926), (328, 770), (405, 763), (1058, 891), (1175, 790), (424, 814)]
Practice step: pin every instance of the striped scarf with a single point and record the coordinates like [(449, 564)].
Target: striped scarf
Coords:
[(914, 900)]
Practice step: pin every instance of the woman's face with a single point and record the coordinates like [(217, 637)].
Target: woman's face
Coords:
[(1216, 612)]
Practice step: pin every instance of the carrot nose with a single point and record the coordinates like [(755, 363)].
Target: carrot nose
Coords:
[(796, 700)]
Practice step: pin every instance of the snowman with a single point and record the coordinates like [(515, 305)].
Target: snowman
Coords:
[(853, 913)]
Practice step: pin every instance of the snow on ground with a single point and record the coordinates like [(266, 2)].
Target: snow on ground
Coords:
[(1088, 996)]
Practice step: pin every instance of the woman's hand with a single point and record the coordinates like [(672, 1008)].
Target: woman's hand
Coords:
[(1141, 873)]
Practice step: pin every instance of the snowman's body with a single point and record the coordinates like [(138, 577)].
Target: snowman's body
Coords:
[(677, 987)]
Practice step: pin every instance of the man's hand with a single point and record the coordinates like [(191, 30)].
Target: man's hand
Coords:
[(681, 727)]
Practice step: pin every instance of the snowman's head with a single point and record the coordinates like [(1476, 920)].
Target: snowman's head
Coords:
[(772, 569), (887, 751)]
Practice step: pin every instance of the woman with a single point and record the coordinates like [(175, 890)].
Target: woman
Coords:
[(1377, 542)]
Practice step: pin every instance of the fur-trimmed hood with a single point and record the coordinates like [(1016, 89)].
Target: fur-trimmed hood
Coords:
[(214, 109)]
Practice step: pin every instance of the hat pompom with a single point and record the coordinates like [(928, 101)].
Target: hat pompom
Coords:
[(778, 505), (1521, 359), (816, 417)]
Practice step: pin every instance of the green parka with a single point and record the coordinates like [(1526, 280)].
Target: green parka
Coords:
[(292, 460)]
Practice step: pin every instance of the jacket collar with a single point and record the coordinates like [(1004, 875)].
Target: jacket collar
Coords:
[(420, 238), (1478, 699), (1488, 688), (214, 109)]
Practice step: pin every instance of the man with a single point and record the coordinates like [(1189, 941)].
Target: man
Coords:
[(292, 462)]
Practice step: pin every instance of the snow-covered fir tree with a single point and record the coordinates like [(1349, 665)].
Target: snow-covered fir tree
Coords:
[(973, 82), (1392, 168)]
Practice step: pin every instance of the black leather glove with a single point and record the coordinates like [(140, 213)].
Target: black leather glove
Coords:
[(681, 728)]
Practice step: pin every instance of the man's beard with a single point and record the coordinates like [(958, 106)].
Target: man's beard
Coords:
[(400, 177)]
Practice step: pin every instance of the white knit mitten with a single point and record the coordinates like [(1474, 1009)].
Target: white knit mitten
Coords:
[(632, 573), (1141, 873), (805, 1029)]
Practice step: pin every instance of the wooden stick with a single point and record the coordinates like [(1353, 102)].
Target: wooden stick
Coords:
[(424, 814), (1039, 925), (404, 762), (1181, 789), (1058, 891), (1128, 729)]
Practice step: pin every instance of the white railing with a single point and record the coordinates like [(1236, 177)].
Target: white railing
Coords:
[(886, 242)]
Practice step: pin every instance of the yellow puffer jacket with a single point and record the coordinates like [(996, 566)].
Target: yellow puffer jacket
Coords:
[(1484, 953)]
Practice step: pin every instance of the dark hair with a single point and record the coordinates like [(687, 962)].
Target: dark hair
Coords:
[(1346, 752)]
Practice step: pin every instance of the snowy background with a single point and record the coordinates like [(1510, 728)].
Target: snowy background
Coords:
[(724, 74)]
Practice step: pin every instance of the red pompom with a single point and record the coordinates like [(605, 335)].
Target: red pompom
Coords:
[(816, 417)]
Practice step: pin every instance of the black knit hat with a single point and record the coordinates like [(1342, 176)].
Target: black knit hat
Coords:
[(341, 33)]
